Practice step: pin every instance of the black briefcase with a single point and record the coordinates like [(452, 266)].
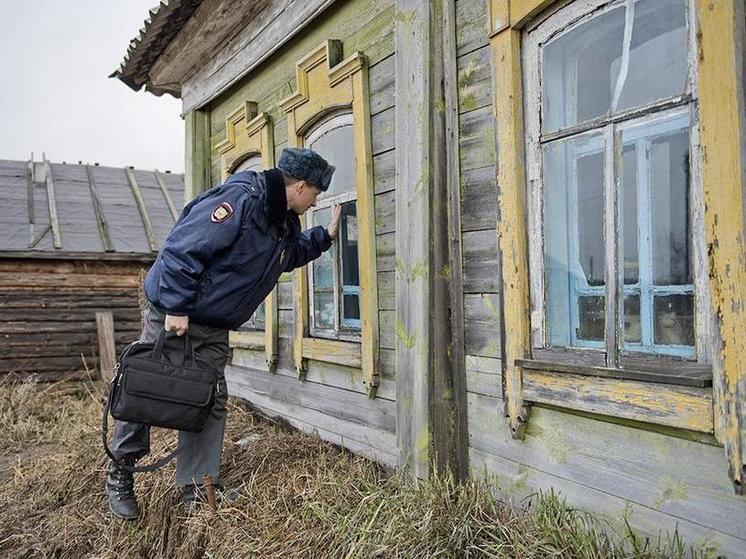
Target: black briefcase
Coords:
[(150, 389)]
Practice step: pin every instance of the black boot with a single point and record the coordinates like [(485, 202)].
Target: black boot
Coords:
[(120, 488)]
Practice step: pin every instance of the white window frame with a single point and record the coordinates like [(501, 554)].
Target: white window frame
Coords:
[(339, 331), (539, 33)]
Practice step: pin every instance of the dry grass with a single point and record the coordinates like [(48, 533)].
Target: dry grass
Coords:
[(300, 498)]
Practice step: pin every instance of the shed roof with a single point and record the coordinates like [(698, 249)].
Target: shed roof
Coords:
[(85, 211), (163, 23)]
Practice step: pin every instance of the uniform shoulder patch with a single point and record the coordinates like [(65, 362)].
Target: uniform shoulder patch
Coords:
[(221, 213)]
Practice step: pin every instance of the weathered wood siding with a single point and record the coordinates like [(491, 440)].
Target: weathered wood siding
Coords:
[(332, 399), (656, 480), (48, 313)]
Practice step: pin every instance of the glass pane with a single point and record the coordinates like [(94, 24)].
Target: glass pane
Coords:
[(348, 245), (592, 316), (585, 73), (573, 231), (351, 308), (669, 193), (337, 146), (632, 330), (657, 57), (630, 256), (323, 266), (256, 322), (323, 310), (674, 320), (577, 70), (253, 163)]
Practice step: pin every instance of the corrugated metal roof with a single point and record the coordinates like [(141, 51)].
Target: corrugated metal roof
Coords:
[(60, 209), (162, 25)]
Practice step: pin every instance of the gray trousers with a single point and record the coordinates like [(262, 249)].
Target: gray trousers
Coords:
[(199, 453)]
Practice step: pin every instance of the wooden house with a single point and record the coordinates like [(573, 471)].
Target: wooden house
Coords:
[(541, 273), (74, 241)]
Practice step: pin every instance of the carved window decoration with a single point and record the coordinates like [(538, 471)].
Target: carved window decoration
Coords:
[(613, 188), (248, 146), (336, 310)]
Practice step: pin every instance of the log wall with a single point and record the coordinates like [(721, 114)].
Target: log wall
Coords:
[(48, 313), (654, 478)]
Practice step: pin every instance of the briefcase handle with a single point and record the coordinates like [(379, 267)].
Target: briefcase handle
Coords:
[(188, 349)]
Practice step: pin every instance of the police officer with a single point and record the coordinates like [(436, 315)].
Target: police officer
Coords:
[(219, 262)]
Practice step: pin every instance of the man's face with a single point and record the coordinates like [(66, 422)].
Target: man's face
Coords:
[(305, 197)]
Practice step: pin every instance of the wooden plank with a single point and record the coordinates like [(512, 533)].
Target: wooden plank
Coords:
[(166, 195), (481, 273), (145, 257), (149, 234), (675, 406), (246, 339), (95, 281), (700, 376), (482, 324), (385, 208), (333, 351), (471, 25), (197, 153), (451, 272), (106, 345), (54, 221), (382, 90), (683, 479), (335, 402), (130, 313), (508, 107), (43, 363), (479, 199), (477, 139), (371, 436), (413, 183), (320, 372), (723, 135), (255, 43), (484, 376), (475, 80), (384, 171), (516, 482), (103, 226)]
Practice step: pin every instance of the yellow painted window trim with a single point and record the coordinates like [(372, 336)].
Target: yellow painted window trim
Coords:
[(722, 135), (249, 133), (325, 84)]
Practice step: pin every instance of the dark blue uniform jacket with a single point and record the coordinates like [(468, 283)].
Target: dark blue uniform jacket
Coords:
[(217, 269)]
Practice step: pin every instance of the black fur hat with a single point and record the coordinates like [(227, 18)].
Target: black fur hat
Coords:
[(305, 164)]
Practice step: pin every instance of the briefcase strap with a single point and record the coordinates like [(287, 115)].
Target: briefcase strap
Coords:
[(158, 464)]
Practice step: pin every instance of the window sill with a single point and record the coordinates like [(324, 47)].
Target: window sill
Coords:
[(688, 374), (246, 339), (333, 351), (682, 407)]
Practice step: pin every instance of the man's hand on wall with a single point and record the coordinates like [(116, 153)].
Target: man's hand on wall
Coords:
[(178, 324), (333, 228)]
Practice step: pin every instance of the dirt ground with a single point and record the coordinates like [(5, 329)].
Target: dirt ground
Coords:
[(298, 498)]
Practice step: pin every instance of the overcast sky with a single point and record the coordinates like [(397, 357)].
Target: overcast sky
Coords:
[(56, 96)]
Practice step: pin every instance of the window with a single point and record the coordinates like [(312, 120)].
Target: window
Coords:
[(334, 278), (257, 321), (612, 185)]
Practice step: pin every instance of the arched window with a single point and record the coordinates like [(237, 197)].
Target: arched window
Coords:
[(334, 279), (257, 320)]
